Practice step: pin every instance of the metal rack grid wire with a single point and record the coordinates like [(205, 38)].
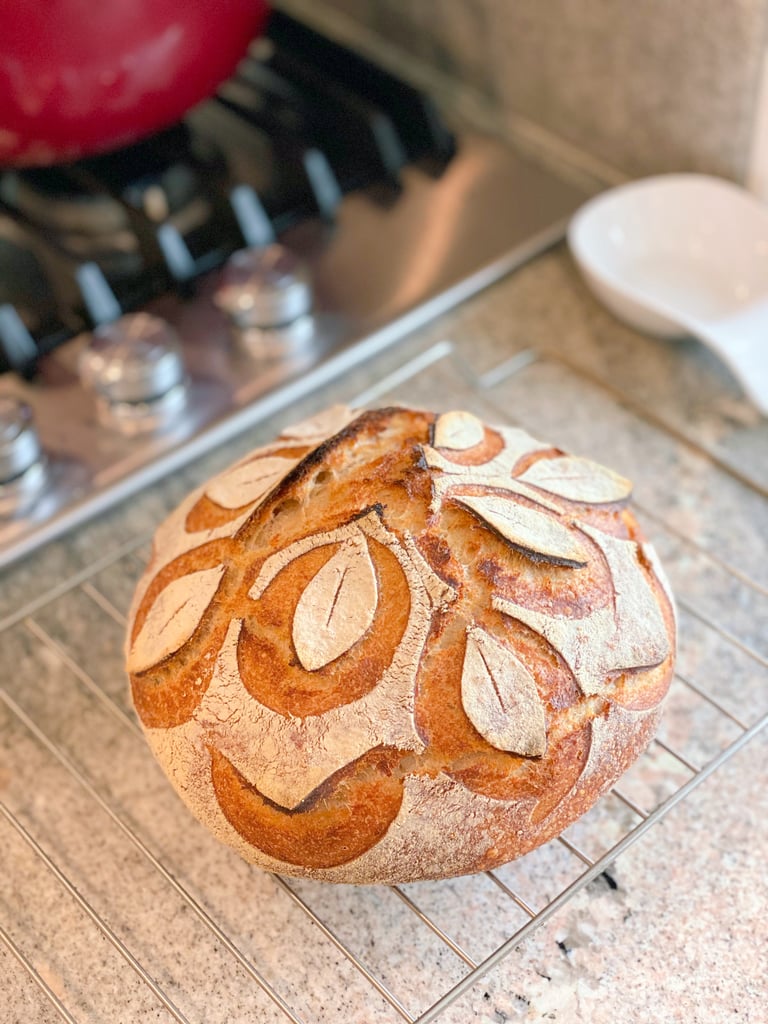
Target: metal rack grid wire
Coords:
[(589, 867)]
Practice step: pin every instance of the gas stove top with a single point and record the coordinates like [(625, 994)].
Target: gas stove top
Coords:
[(155, 301)]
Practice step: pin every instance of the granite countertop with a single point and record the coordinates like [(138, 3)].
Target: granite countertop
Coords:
[(159, 922)]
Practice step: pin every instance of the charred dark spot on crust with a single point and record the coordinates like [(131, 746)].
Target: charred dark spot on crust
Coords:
[(377, 507), (537, 556)]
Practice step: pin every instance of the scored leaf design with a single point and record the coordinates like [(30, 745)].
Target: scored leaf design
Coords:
[(536, 533), (249, 482), (174, 617), (578, 480), (337, 606), (628, 633), (324, 424), (500, 697), (457, 430)]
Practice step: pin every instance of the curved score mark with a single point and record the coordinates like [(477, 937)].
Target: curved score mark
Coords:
[(451, 737), (640, 689), (477, 455), (282, 684), (170, 697), (209, 555), (547, 779), (342, 819), (168, 694), (440, 716), (207, 515)]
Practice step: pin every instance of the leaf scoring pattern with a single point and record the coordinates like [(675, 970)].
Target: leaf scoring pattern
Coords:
[(578, 480), (248, 482), (286, 756), (174, 617), (537, 533), (337, 607), (629, 634), (321, 426), (457, 430), (500, 697)]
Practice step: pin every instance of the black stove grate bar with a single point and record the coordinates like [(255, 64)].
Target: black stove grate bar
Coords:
[(167, 251), (413, 114), (308, 187), (360, 138)]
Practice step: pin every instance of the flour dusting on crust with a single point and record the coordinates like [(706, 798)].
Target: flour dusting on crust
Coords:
[(402, 540)]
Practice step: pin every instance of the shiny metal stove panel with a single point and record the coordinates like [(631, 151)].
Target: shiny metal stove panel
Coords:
[(379, 272)]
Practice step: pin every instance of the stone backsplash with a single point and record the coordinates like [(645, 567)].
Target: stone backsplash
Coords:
[(633, 86)]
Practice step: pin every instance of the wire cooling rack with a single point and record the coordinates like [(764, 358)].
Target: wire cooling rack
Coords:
[(435, 917)]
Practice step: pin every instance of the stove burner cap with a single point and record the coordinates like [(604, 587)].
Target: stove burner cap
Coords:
[(19, 443), (134, 359), (267, 287)]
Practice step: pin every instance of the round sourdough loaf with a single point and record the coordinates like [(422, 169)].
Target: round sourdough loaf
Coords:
[(398, 645)]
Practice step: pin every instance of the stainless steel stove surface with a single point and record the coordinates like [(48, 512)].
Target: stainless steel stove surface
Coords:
[(157, 301)]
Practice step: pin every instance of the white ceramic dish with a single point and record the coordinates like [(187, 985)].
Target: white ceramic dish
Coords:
[(683, 254)]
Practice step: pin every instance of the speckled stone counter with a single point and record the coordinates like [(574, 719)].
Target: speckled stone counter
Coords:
[(115, 905)]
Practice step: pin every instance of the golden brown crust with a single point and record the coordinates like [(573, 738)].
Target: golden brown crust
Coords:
[(341, 820), (286, 686), (420, 646)]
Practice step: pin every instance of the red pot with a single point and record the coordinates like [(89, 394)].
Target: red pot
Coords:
[(83, 76)]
